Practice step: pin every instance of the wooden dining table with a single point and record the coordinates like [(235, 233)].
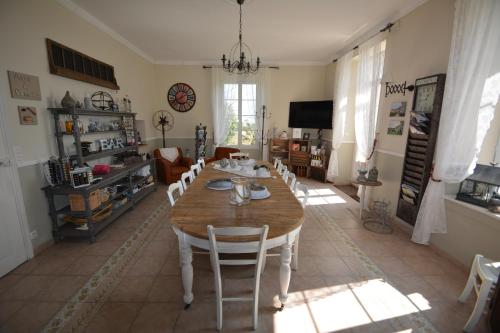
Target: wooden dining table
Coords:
[(199, 207)]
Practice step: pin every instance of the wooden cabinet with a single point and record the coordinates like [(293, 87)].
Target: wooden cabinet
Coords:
[(278, 148)]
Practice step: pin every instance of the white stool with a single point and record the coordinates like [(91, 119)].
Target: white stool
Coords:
[(486, 271)]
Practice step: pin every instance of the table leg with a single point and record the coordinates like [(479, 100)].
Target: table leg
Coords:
[(362, 201), (186, 257), (285, 271)]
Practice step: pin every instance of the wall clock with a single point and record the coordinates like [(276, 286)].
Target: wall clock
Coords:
[(181, 97)]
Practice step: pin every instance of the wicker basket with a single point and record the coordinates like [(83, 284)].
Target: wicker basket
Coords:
[(97, 217), (77, 203)]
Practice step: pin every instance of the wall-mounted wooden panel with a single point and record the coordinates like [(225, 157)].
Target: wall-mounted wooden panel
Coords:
[(65, 61)]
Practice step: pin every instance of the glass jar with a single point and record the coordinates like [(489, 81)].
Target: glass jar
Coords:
[(240, 191)]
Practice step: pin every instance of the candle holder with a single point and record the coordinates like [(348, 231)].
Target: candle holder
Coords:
[(240, 191)]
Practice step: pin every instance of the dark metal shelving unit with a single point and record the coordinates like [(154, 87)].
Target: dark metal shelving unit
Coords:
[(124, 176)]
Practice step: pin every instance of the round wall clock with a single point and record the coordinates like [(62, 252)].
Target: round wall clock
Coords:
[(181, 97)]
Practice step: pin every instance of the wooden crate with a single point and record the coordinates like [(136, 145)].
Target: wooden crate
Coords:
[(77, 202)]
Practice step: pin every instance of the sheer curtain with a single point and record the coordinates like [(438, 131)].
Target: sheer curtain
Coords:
[(343, 82), (221, 115), (471, 93), (370, 70)]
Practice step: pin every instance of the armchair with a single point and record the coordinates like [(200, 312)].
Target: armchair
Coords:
[(170, 172), (220, 153)]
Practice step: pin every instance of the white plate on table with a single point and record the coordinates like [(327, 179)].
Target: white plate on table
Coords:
[(220, 184)]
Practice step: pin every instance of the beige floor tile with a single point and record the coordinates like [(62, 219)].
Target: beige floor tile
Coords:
[(28, 288), (8, 281), (323, 248), (61, 288), (86, 265), (103, 248), (32, 317), (146, 266), (114, 317), (159, 248), (166, 289), (159, 317), (53, 265), (333, 266), (9, 308), (132, 289)]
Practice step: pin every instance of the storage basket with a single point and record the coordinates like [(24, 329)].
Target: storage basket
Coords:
[(104, 195), (77, 203), (96, 217)]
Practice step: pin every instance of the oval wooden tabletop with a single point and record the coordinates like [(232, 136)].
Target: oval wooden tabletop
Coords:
[(200, 207)]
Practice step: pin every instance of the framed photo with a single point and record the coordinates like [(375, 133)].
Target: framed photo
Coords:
[(398, 109), (27, 115), (395, 127), (305, 136), (296, 132)]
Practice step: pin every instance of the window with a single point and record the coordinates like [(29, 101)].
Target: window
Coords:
[(240, 102)]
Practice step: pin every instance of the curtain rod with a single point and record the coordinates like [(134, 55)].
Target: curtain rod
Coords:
[(217, 66), (386, 28)]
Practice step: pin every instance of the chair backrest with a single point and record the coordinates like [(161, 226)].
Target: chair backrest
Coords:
[(196, 169), (293, 181), (282, 169), (285, 175), (249, 246), (277, 161), (238, 155), (171, 190), (201, 162), (223, 152), (302, 188), (184, 176)]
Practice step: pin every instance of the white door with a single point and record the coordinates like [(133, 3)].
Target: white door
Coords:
[(12, 247)]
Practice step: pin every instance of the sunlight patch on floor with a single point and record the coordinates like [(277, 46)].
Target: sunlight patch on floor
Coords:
[(322, 196), (344, 306)]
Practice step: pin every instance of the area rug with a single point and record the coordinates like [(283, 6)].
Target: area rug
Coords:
[(76, 313)]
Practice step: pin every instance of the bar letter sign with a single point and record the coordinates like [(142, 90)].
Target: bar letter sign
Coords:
[(24, 86)]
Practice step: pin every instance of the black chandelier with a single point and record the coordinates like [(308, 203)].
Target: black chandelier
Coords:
[(237, 60)]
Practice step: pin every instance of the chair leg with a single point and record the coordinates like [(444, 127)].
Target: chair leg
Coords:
[(468, 287), (479, 307), (470, 281), (295, 261)]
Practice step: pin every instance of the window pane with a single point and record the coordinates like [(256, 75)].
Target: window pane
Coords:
[(248, 91), (248, 108), (232, 111), (248, 130), (230, 91)]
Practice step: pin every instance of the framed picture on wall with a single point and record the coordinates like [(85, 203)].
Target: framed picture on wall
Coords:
[(398, 109), (395, 127)]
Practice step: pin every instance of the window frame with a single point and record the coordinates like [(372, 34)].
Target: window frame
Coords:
[(240, 116)]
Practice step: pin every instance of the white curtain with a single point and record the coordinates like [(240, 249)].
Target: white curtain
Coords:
[(343, 82), (370, 70), (220, 114), (471, 93)]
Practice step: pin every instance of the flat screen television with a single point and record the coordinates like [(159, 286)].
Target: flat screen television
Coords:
[(312, 114)]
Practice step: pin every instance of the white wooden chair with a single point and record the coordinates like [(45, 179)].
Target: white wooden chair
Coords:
[(201, 162), (237, 247), (282, 169), (278, 166), (238, 155), (171, 190), (276, 162), (186, 175), (196, 169), (486, 271), (285, 175), (293, 181)]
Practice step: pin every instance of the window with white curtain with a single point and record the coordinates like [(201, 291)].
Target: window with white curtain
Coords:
[(240, 100)]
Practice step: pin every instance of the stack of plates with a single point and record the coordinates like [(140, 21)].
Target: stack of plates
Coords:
[(259, 192)]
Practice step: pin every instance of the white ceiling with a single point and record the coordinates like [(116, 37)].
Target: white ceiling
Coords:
[(279, 31)]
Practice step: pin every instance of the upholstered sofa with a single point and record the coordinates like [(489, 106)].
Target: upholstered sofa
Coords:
[(220, 153), (170, 172)]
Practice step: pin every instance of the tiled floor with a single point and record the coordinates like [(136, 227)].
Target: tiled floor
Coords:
[(334, 290)]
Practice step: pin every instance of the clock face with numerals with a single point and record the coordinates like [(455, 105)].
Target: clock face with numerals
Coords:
[(425, 98), (181, 97)]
